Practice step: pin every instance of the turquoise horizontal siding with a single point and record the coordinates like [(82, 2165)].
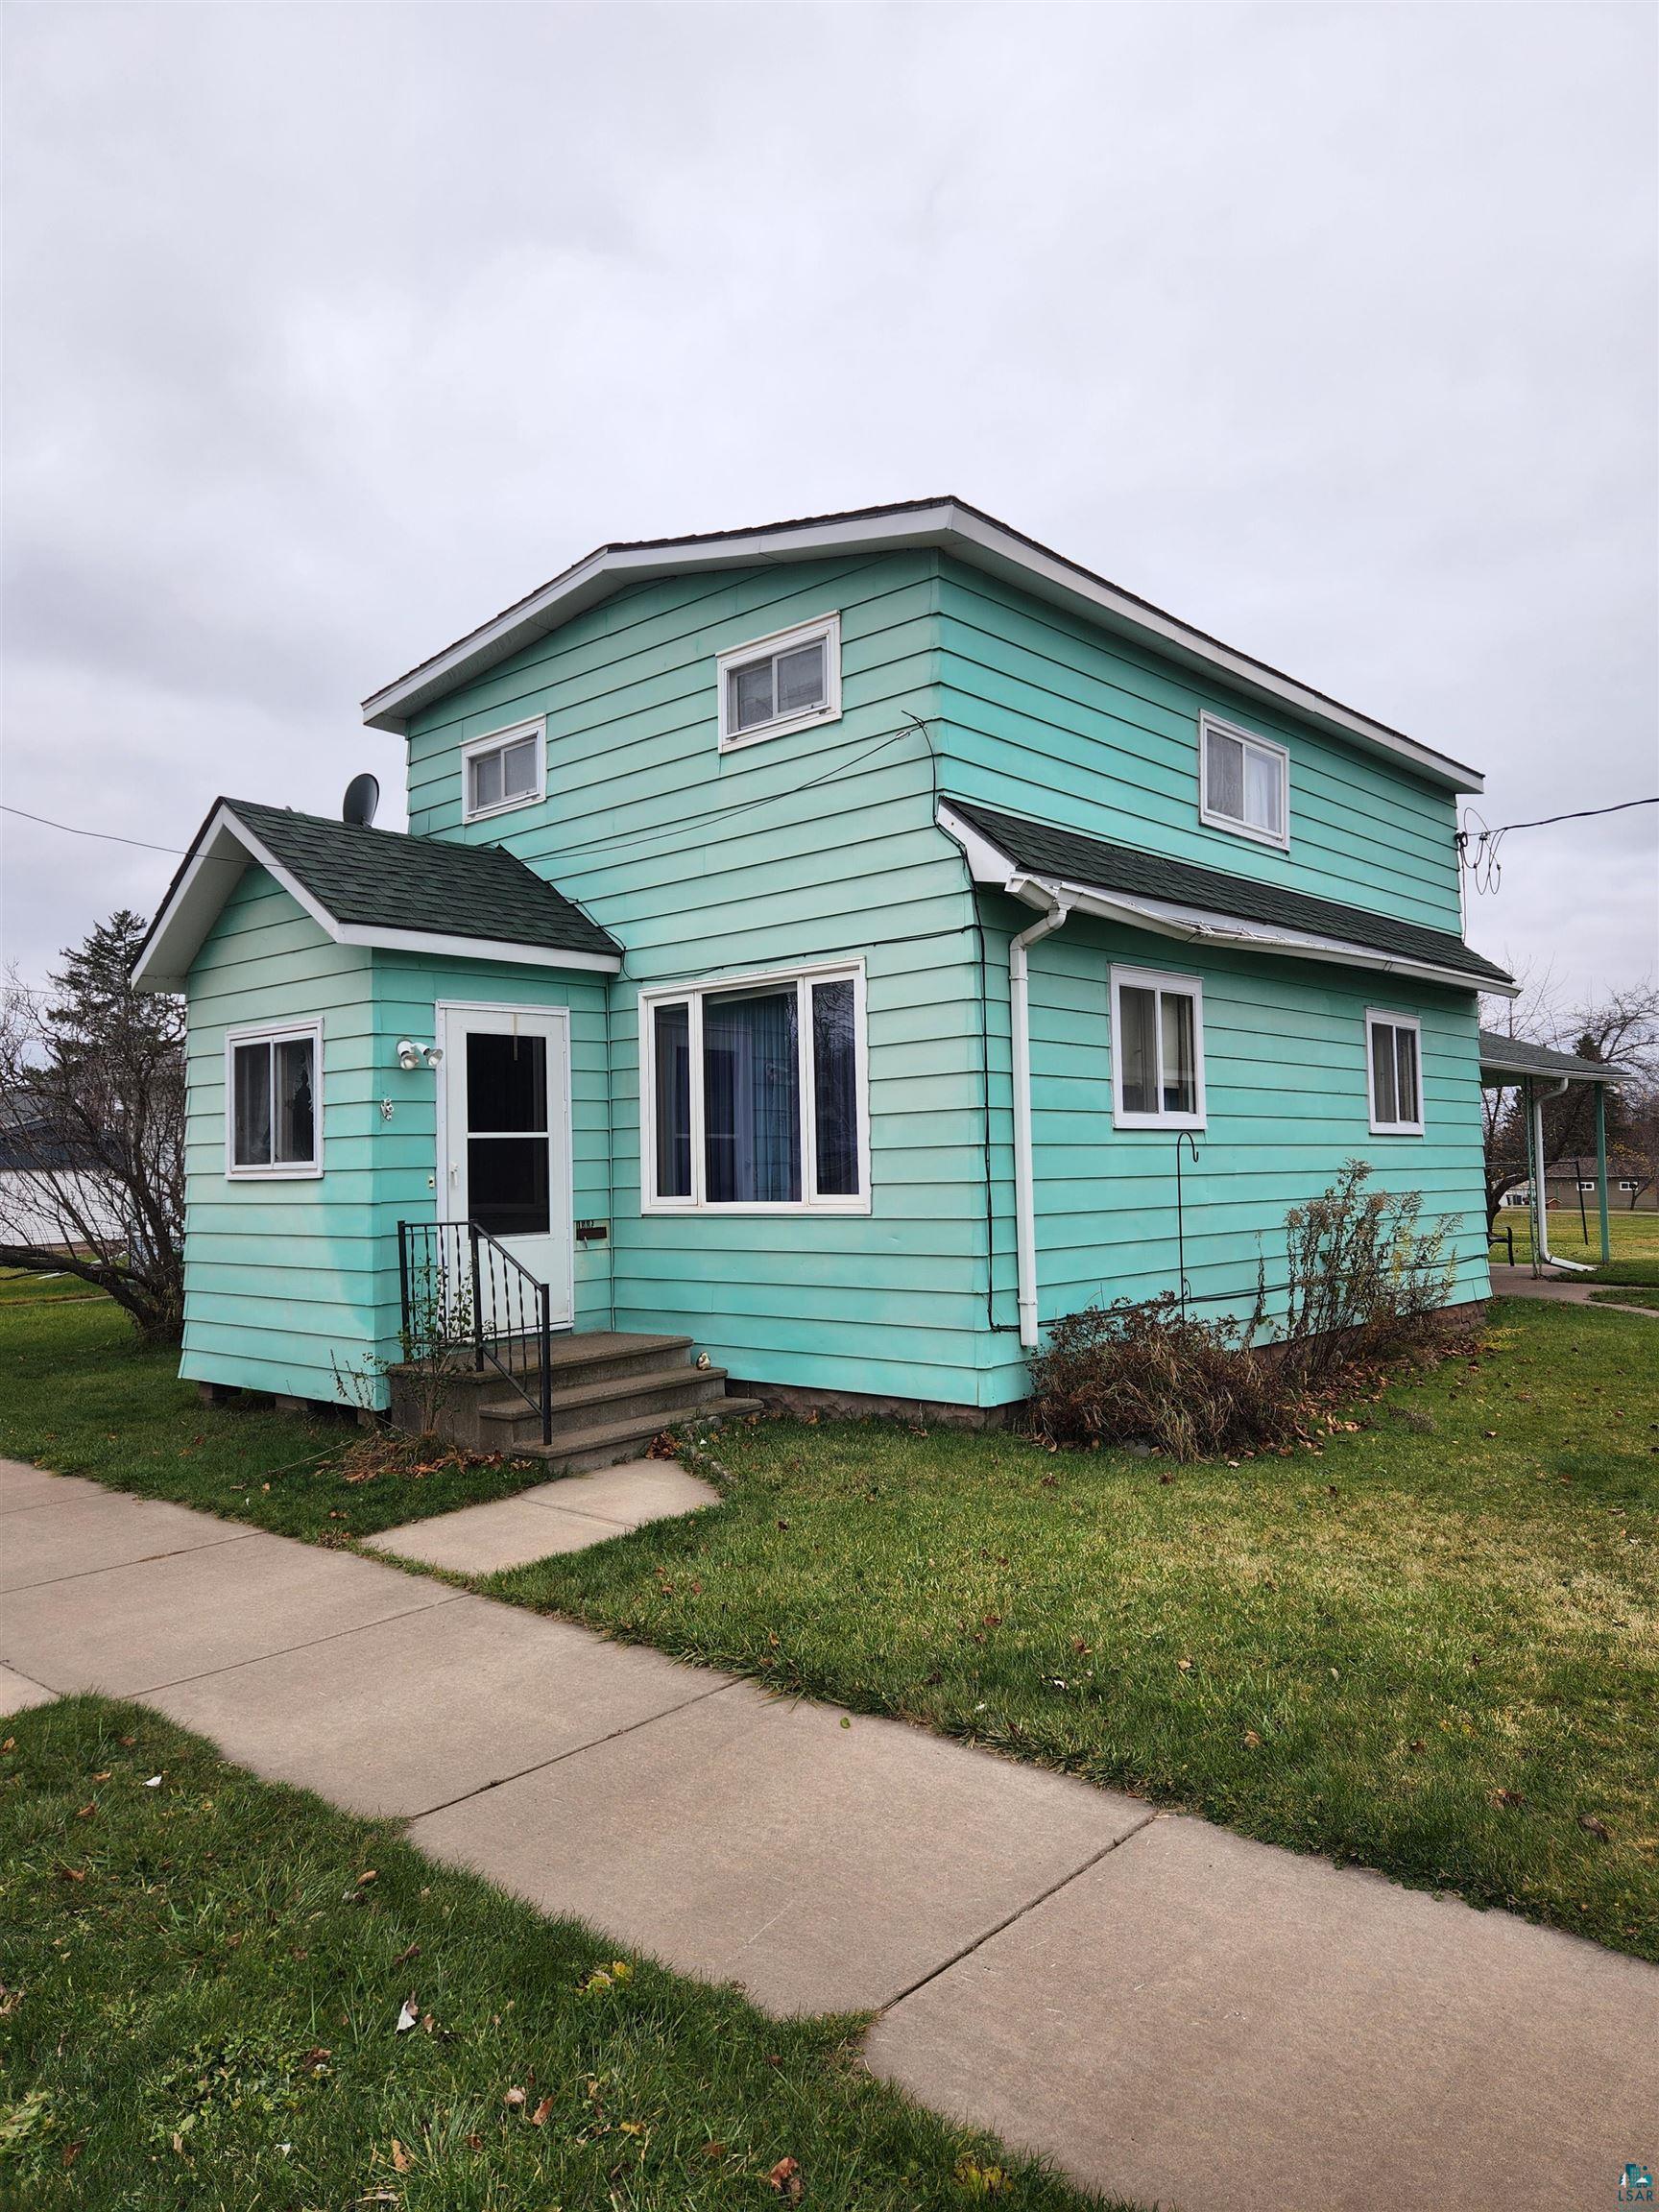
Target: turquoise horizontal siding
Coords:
[(279, 1276), (1050, 718), (1286, 1106)]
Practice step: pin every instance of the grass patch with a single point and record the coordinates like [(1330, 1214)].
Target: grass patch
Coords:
[(22, 1285), (200, 2005), (1430, 1647), (1648, 1300), (1634, 1240), (78, 1393)]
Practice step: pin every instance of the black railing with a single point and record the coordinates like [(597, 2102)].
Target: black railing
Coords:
[(463, 1292), (1505, 1236)]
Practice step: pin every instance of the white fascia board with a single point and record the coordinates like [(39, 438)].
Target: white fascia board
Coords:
[(447, 947), (946, 525), (1194, 924)]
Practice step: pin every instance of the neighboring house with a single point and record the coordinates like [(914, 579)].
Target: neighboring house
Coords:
[(1567, 1181), (827, 941), (50, 1198)]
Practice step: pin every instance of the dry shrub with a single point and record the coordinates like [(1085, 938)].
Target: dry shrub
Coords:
[(1147, 1372), (1365, 1278)]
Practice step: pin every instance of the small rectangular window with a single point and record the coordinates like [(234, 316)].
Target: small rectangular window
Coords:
[(754, 1095), (1157, 1050), (1244, 782), (1394, 1074), (273, 1109), (791, 681), (504, 768)]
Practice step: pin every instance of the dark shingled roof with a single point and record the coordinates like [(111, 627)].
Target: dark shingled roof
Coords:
[(1514, 1056), (389, 881), (1041, 849)]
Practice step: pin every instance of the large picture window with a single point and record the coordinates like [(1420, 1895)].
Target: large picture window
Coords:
[(754, 1094), (1244, 782), (273, 1101), (1393, 1051), (1157, 1050)]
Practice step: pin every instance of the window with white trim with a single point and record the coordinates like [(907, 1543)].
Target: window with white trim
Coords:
[(789, 681), (1243, 782), (273, 1101), (504, 768), (1157, 1050), (1628, 1183), (1394, 1066), (754, 1095)]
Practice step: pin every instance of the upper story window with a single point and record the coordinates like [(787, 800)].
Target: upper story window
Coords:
[(790, 680), (1244, 782), (504, 768), (754, 1095), (1394, 1058), (273, 1101), (1157, 1050)]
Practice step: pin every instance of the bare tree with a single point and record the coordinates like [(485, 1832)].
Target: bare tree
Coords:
[(92, 1126)]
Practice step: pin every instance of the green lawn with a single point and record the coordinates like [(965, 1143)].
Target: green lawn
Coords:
[(1634, 1239), (1648, 1300), (79, 1394), (201, 1985), (23, 1284), (1432, 1648)]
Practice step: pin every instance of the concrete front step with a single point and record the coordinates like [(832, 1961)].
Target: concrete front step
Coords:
[(579, 1451), (668, 1392), (587, 1355)]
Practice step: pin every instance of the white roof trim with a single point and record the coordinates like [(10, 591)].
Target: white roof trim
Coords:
[(227, 847), (947, 525), (1194, 924)]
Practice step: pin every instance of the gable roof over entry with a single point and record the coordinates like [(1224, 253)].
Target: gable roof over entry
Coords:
[(946, 523), (1203, 905), (377, 887)]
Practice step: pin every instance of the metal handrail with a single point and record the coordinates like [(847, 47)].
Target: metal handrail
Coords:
[(444, 1269)]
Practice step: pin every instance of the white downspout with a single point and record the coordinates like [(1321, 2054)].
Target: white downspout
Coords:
[(1542, 1256), (1025, 1200)]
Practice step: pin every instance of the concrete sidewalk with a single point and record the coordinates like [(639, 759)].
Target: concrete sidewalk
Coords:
[(1166, 2010), (1559, 1290)]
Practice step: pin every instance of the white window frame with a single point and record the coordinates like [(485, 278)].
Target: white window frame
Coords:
[(826, 627), (691, 996), (1374, 1015), (1249, 740), (277, 1170), (498, 741), (1629, 1183), (1159, 980)]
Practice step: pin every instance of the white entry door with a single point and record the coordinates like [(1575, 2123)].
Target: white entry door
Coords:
[(504, 1138)]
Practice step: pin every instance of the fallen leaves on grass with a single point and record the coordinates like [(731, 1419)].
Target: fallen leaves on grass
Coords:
[(786, 2179)]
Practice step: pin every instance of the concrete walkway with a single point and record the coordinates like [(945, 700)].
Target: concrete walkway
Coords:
[(568, 1515), (1559, 1290), (1166, 2010)]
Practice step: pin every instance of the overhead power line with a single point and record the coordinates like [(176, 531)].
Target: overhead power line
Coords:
[(1478, 846)]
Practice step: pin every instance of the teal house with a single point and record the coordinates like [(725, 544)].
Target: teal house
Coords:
[(846, 946)]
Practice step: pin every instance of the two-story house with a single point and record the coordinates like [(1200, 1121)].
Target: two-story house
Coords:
[(849, 945)]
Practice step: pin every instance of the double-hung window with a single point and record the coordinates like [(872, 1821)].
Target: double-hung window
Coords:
[(504, 768), (1244, 782), (1394, 1064), (790, 680), (273, 1101), (754, 1095), (1157, 1050)]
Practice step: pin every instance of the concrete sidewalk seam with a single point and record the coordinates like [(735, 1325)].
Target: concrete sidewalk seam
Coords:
[(891, 2004), (594, 1743), (121, 1565), (285, 1650), (23, 1676)]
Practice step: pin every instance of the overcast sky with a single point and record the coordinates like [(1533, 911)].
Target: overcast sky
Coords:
[(331, 329)]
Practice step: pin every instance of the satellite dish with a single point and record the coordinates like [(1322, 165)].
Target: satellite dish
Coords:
[(362, 797)]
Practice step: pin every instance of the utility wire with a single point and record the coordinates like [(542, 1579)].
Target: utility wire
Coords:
[(1478, 847)]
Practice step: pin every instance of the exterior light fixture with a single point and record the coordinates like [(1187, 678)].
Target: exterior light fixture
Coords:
[(412, 1056)]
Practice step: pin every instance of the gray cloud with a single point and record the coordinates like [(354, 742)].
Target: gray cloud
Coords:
[(331, 331)]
